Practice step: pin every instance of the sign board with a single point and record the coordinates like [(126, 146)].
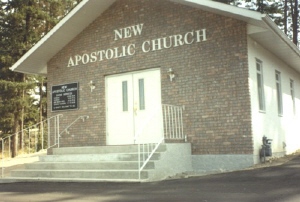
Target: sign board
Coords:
[(65, 97)]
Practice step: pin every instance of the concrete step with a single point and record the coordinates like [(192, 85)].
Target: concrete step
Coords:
[(123, 165), (101, 150), (81, 164), (96, 157), (87, 174)]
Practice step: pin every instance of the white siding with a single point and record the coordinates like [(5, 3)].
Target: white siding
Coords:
[(285, 129)]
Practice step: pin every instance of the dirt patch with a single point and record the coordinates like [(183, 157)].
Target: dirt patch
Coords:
[(275, 161)]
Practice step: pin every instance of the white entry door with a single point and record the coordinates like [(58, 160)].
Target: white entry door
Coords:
[(133, 103)]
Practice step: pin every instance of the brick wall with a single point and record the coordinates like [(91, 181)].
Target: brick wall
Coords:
[(211, 76)]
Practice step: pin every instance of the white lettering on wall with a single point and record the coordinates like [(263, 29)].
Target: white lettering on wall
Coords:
[(85, 58), (71, 62), (128, 32), (174, 41), (156, 44), (146, 46), (93, 57), (186, 38), (201, 34)]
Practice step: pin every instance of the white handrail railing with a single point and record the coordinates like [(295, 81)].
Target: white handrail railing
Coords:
[(2, 158), (173, 129), (146, 152), (27, 144), (53, 133), (66, 130), (173, 122), (53, 127)]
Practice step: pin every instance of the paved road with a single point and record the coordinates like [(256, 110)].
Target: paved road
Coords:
[(269, 184)]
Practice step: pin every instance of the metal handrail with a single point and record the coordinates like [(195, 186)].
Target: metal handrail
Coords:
[(56, 131), (147, 152), (66, 130), (173, 129), (2, 158), (54, 119), (173, 121), (52, 122), (142, 162)]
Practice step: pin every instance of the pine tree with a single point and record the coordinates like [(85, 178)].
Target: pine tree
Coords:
[(295, 18), (22, 24), (289, 10)]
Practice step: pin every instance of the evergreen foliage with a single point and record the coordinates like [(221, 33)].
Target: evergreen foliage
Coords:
[(22, 24), (285, 13)]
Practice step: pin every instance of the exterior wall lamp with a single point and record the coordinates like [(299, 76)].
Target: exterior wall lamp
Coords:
[(171, 74), (92, 85)]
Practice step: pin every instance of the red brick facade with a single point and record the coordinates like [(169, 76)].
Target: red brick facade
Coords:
[(211, 76)]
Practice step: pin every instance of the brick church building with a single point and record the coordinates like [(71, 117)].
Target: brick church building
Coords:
[(196, 72)]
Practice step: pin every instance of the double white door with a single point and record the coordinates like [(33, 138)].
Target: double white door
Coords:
[(133, 103)]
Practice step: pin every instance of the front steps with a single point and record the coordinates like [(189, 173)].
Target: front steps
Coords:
[(107, 163)]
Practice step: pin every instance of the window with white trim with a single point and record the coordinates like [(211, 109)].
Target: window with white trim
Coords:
[(260, 86), (279, 92)]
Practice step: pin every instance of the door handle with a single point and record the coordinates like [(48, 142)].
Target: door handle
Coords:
[(135, 108)]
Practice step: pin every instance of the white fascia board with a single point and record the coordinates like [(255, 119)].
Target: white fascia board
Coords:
[(280, 34), (35, 60), (251, 17), (48, 35), (252, 29)]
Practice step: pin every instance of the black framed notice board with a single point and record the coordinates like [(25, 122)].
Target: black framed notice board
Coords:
[(65, 97)]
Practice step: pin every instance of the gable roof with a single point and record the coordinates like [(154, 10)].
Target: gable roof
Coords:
[(260, 27)]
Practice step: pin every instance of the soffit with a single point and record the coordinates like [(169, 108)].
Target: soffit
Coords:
[(282, 48)]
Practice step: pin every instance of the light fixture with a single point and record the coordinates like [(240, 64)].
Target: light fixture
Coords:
[(171, 74), (92, 85)]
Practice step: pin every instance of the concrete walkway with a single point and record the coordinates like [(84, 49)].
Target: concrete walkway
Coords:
[(8, 164), (276, 183)]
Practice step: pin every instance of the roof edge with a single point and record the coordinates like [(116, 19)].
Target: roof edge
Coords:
[(48, 35), (281, 34), (224, 8)]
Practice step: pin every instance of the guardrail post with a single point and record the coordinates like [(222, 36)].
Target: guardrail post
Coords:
[(9, 145), (29, 141), (58, 131), (42, 134), (35, 141), (2, 158), (55, 131), (49, 126), (22, 139), (139, 159)]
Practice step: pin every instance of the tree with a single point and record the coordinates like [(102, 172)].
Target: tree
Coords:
[(295, 19), (22, 24), (285, 13)]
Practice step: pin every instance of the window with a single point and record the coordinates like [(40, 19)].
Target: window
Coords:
[(279, 92), (260, 86), (141, 94), (125, 96), (293, 94)]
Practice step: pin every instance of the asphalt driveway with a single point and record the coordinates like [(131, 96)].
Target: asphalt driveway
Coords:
[(277, 183)]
